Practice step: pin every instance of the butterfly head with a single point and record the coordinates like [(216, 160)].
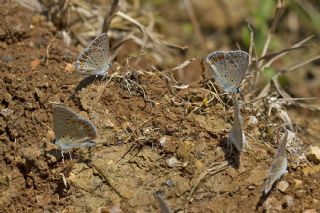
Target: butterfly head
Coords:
[(104, 70), (231, 90), (109, 66)]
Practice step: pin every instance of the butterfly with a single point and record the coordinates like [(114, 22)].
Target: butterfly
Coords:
[(279, 164), (95, 59), (229, 68), (72, 130), (237, 137)]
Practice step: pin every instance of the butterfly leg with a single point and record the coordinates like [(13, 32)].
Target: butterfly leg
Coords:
[(104, 77), (62, 156), (70, 154)]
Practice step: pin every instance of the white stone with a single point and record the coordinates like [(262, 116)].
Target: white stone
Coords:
[(163, 141), (252, 120), (282, 186), (297, 183), (314, 154), (288, 200), (172, 162), (310, 211)]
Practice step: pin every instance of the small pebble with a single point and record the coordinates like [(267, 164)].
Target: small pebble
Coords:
[(272, 205), (109, 209), (172, 162), (314, 154), (310, 211), (287, 201), (50, 135), (297, 183), (251, 187), (7, 59), (252, 120), (163, 141), (28, 106), (309, 170), (282, 186), (6, 112), (169, 183), (38, 93)]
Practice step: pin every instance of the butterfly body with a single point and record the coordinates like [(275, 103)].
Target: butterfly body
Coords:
[(94, 60), (229, 68), (72, 130)]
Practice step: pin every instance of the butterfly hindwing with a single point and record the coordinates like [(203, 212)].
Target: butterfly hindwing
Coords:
[(94, 59), (72, 130), (238, 66), (278, 165), (100, 49)]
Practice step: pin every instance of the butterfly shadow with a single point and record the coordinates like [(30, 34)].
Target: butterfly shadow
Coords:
[(230, 152), (26, 167), (262, 199), (84, 155), (60, 188), (60, 155), (86, 82), (75, 154)]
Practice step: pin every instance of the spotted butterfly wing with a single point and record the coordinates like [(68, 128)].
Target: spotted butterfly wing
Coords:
[(229, 68), (94, 60), (279, 164), (237, 137), (72, 130)]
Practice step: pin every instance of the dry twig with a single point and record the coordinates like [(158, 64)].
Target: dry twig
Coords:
[(109, 16)]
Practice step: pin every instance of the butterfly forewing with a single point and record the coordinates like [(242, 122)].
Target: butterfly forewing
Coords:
[(229, 68), (279, 164), (237, 64), (100, 49), (94, 59), (277, 170), (72, 130)]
